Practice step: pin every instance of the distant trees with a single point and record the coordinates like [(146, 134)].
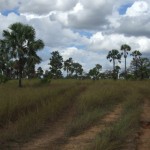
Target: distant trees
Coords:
[(68, 66), (22, 45), (142, 67), (136, 56), (18, 59), (95, 72), (56, 64)]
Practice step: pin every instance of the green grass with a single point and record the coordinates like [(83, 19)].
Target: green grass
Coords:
[(115, 137), (94, 103), (25, 111)]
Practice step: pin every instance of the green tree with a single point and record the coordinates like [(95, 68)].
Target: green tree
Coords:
[(76, 69), (39, 72), (143, 67), (95, 72), (56, 64), (4, 58), (67, 65), (114, 55), (22, 44), (125, 48)]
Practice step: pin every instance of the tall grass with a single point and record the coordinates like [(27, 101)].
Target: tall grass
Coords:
[(115, 137), (94, 103), (25, 111)]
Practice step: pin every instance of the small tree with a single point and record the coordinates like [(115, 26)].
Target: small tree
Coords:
[(136, 56), (56, 64), (67, 65), (95, 72), (39, 72)]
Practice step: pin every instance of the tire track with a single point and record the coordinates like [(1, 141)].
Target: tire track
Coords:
[(83, 140)]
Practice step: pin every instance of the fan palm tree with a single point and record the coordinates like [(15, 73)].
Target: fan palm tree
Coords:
[(114, 55), (22, 44), (125, 48)]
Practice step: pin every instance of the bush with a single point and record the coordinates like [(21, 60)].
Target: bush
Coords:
[(3, 79)]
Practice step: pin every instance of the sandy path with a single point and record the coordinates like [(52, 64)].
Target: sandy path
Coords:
[(83, 140), (53, 132), (144, 138)]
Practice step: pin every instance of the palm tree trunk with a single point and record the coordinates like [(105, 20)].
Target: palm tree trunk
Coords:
[(125, 68), (20, 73)]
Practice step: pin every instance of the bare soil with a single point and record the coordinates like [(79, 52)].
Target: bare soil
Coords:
[(53, 138), (83, 140), (53, 133), (144, 134)]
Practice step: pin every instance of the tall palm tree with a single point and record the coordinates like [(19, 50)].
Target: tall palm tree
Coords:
[(136, 56), (21, 41), (114, 55), (125, 48)]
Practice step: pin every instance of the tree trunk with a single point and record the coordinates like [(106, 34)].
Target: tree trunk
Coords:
[(20, 73), (125, 68)]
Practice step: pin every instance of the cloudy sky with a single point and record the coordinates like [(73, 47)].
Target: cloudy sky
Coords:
[(82, 29)]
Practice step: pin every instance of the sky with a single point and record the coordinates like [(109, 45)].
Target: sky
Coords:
[(85, 30)]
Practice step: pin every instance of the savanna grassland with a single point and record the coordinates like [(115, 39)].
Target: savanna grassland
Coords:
[(74, 114)]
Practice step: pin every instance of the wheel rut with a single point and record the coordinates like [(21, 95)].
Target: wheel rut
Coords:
[(83, 140), (144, 134)]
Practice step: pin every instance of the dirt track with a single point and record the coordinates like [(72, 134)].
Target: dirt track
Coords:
[(144, 134), (52, 138)]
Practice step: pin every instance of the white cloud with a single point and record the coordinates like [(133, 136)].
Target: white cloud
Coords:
[(137, 9), (63, 25)]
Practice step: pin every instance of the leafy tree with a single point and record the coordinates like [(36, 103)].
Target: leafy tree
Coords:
[(22, 44), (67, 65), (95, 72), (77, 69), (117, 68), (125, 48), (4, 58), (143, 67), (136, 56), (56, 64), (39, 72)]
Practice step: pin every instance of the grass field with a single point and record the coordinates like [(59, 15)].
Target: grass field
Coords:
[(25, 111)]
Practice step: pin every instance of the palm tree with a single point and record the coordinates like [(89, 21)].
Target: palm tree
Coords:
[(21, 42), (136, 56), (114, 55), (125, 48)]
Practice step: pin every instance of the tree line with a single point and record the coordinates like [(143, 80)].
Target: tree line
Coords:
[(18, 57)]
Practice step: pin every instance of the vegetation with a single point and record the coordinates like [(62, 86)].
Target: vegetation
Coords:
[(24, 112), (125, 48), (20, 44)]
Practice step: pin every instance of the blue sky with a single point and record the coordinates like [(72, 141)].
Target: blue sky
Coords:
[(83, 30), (122, 9), (6, 12)]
